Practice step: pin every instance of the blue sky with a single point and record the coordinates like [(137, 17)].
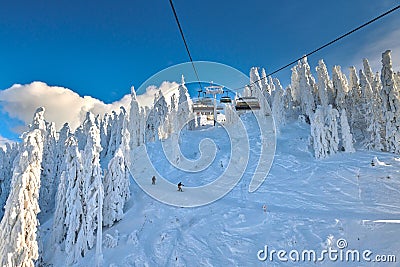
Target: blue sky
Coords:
[(101, 48)]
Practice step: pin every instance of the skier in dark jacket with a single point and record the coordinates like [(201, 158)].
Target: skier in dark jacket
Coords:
[(180, 187), (153, 180)]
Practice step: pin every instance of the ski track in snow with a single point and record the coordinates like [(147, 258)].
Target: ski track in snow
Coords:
[(307, 201)]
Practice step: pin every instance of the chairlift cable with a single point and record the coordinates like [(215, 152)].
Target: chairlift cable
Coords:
[(292, 62), (184, 41), (323, 46)]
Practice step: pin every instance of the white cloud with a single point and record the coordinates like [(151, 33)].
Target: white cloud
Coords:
[(167, 88), (62, 104)]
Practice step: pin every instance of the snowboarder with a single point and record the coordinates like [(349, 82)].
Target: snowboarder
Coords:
[(153, 180), (180, 187)]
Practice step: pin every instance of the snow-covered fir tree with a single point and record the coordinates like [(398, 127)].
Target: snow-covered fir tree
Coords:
[(291, 111), (93, 182), (174, 128), (49, 170), (325, 88), (105, 133), (332, 134), (116, 128), (2, 176), (307, 87), (391, 104), (255, 79), (347, 137), (135, 128), (371, 114), (3, 180), (318, 133), (355, 107), (230, 115), (265, 89), (368, 71), (295, 86), (75, 214), (184, 113), (278, 111), (340, 85), (82, 131), (324, 131), (116, 188), (156, 117), (10, 154), (61, 149), (19, 224), (73, 172)]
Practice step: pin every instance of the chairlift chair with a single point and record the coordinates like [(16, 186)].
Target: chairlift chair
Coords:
[(247, 103), (226, 98)]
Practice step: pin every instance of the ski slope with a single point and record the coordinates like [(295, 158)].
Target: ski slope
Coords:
[(310, 205)]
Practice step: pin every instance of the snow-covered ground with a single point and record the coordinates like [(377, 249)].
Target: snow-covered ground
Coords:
[(310, 205)]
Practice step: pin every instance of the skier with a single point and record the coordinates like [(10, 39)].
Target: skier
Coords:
[(180, 187), (153, 180), (264, 207)]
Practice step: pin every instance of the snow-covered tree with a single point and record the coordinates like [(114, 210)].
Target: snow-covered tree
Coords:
[(347, 137), (247, 92), (340, 86), (6, 173), (83, 191), (184, 113), (75, 214), (92, 181), (105, 133), (72, 173), (371, 112), (18, 228), (332, 134), (2, 175), (255, 78), (319, 141), (368, 71), (116, 129), (325, 87), (265, 86), (3, 179), (82, 131), (289, 104), (391, 104), (307, 87), (278, 111), (61, 149), (230, 118), (324, 131), (49, 170), (295, 86), (134, 125), (355, 108), (116, 187), (156, 118)]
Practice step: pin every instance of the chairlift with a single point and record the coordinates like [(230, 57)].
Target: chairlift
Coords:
[(247, 103), (203, 104), (199, 91), (226, 98)]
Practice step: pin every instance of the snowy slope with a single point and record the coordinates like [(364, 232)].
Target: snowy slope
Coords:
[(310, 205)]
